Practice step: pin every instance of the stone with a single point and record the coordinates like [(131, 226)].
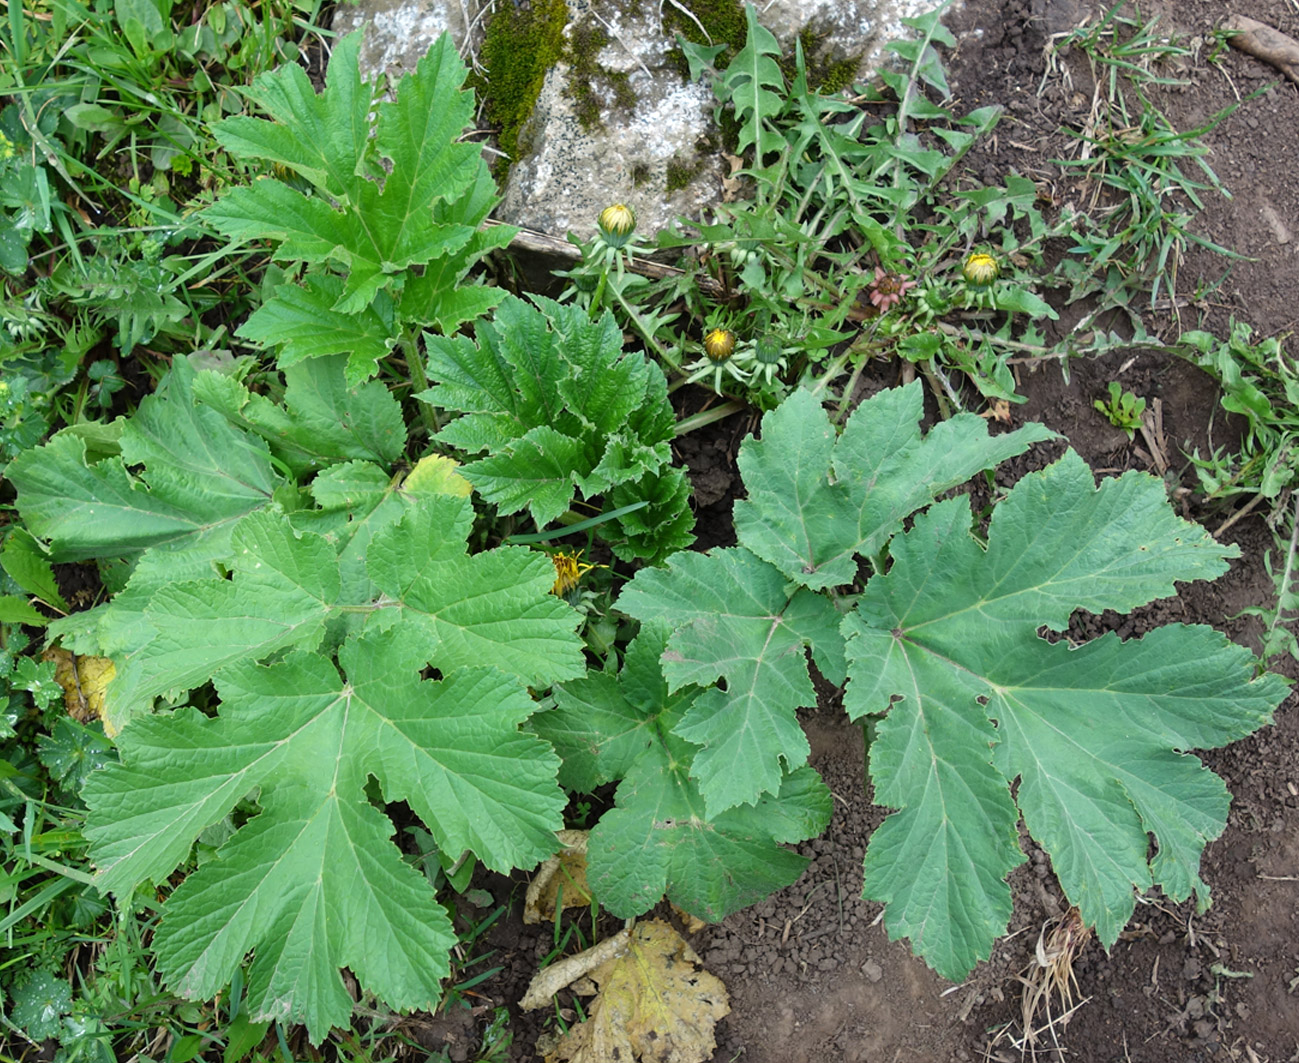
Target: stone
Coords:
[(615, 121), (574, 167), (398, 33)]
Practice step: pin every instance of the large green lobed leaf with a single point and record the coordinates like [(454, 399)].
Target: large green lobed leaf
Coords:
[(659, 839), (946, 645), (313, 883), (735, 619), (980, 720), (396, 206)]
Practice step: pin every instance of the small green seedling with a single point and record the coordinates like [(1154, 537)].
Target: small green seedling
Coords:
[(1124, 409)]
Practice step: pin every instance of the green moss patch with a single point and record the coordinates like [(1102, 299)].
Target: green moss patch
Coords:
[(518, 49), (587, 42)]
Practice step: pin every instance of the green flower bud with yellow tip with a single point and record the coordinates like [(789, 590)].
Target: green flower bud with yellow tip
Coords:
[(719, 344), (980, 269), (616, 224)]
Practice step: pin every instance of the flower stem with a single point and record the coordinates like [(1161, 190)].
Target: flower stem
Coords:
[(711, 416)]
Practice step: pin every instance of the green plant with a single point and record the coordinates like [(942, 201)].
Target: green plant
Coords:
[(1278, 637), (1132, 160), (72, 972), (941, 651), (1123, 409), (381, 253), (830, 218), (349, 563), (104, 152), (1259, 383), (852, 223), (559, 406)]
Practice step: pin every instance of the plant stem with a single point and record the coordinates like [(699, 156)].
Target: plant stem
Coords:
[(419, 379), (928, 369), (707, 417), (1287, 574)]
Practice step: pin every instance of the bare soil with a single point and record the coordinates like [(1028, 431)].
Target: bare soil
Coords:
[(811, 972)]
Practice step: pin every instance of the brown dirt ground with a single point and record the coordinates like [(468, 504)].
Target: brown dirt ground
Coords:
[(811, 972)]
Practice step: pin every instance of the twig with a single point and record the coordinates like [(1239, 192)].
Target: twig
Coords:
[(1243, 511), (1263, 42)]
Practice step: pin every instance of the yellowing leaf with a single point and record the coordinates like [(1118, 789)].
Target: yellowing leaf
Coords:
[(563, 875), (436, 475), (655, 1005), (83, 680)]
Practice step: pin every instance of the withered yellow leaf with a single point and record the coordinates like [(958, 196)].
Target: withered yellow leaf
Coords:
[(656, 1005), (563, 875), (83, 680)]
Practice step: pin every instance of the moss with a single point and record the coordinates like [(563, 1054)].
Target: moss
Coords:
[(640, 173), (586, 74), (681, 174), (518, 49), (823, 75)]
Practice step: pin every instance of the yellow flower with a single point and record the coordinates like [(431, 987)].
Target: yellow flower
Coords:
[(568, 571), (980, 269), (616, 224), (719, 344)]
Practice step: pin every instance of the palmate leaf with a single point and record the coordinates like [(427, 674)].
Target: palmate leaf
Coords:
[(561, 409), (438, 294), (944, 649), (375, 222), (658, 839), (946, 644), (735, 619), (814, 504), (313, 883), (199, 476)]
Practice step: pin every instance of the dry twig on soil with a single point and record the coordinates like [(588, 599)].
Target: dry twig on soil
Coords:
[(1263, 42)]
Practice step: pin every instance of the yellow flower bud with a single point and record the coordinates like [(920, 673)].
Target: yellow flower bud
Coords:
[(719, 344), (980, 269), (617, 223)]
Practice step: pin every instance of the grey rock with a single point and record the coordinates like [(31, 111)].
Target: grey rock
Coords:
[(572, 168), (398, 33), (571, 172)]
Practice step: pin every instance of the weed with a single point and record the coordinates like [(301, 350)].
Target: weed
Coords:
[(849, 237), (1133, 165), (1123, 409), (1260, 384), (1278, 634), (104, 151)]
